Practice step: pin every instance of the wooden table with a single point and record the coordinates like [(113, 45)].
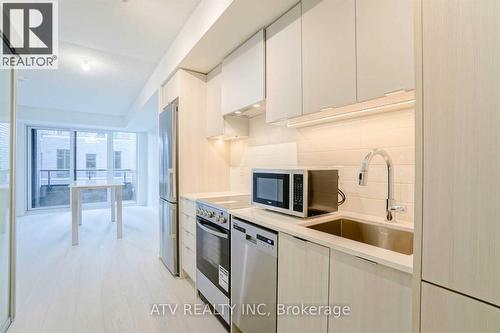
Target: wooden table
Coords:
[(76, 205)]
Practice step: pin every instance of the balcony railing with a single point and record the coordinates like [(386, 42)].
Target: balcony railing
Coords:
[(51, 177), (53, 184)]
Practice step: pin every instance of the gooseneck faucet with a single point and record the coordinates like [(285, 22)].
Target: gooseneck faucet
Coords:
[(363, 172)]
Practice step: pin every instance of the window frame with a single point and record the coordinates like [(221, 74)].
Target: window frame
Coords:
[(73, 142)]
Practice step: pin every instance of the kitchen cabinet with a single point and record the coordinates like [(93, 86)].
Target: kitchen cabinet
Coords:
[(217, 125), (215, 121), (461, 141), (284, 67), (303, 278), (328, 54), (243, 75), (446, 311), (379, 297), (187, 219), (384, 47)]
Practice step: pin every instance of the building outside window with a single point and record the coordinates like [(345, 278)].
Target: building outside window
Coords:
[(63, 156), (117, 159), (90, 163), (52, 150)]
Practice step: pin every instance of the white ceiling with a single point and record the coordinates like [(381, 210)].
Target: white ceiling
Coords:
[(122, 41)]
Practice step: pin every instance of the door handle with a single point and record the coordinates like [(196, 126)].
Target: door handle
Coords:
[(212, 232)]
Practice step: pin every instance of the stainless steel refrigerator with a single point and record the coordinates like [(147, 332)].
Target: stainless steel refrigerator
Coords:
[(169, 241)]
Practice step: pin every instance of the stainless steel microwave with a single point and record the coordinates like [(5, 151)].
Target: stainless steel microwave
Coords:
[(299, 192)]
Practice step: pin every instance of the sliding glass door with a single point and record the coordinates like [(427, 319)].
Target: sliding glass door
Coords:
[(60, 156), (6, 181), (125, 162), (50, 167), (92, 163)]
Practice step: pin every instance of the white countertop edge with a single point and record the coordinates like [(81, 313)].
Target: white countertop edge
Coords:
[(204, 195), (296, 227)]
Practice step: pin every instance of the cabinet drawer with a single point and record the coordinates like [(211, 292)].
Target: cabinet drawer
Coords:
[(188, 238), (188, 223), (189, 261), (188, 207)]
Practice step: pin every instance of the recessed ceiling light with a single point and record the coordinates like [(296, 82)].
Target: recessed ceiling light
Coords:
[(237, 112), (85, 65), (256, 105)]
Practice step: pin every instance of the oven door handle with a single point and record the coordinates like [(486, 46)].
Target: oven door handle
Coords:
[(212, 232)]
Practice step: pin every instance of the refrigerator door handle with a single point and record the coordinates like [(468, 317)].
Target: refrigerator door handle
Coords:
[(174, 152)]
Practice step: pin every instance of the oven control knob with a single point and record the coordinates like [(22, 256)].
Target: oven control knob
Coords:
[(210, 214), (221, 219)]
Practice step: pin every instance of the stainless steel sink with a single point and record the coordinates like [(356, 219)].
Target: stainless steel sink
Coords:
[(387, 238)]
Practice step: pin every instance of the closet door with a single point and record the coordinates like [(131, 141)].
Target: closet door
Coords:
[(6, 202), (461, 112)]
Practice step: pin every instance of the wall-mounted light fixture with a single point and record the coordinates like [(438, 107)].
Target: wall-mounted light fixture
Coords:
[(390, 102)]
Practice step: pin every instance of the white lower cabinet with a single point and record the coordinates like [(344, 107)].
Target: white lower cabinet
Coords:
[(363, 296), (446, 311), (303, 278), (187, 231), (379, 297)]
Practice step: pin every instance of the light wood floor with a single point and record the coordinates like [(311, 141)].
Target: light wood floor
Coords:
[(101, 285)]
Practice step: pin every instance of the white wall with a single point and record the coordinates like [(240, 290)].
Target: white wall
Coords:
[(40, 116), (343, 144), (200, 21), (142, 169), (153, 169)]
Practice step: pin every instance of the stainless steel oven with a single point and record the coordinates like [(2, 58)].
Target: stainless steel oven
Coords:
[(299, 192), (213, 246)]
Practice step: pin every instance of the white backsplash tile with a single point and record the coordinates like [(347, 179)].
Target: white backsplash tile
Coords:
[(341, 144)]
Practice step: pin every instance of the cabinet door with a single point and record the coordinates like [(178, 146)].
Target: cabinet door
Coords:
[(446, 311), (379, 297), (303, 278), (284, 67), (243, 75), (215, 121), (328, 54), (384, 40), (461, 112)]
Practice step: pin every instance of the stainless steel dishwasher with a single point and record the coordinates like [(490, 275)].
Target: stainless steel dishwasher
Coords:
[(254, 273)]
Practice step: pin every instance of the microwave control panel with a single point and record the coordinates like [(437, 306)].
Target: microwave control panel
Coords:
[(298, 193)]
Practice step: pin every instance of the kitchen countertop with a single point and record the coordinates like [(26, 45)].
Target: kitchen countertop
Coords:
[(295, 226), (204, 195)]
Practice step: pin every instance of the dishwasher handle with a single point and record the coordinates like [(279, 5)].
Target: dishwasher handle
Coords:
[(251, 239)]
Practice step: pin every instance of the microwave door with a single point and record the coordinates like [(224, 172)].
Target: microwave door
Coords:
[(272, 189)]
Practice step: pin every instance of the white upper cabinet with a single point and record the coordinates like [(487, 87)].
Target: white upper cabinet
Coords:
[(229, 127), (284, 67), (215, 121), (328, 53), (243, 75), (384, 40)]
